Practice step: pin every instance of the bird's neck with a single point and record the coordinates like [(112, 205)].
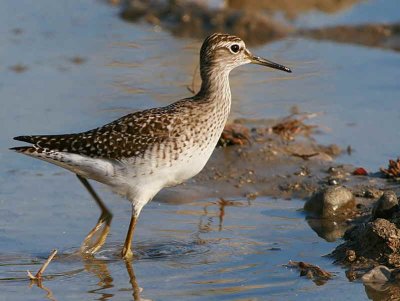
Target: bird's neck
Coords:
[(215, 86)]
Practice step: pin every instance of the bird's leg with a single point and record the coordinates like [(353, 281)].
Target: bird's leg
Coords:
[(126, 251), (103, 223)]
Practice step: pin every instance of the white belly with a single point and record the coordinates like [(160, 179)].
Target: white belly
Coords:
[(142, 184), (188, 168)]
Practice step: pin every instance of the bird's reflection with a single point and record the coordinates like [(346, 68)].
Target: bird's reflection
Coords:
[(136, 290), (99, 268)]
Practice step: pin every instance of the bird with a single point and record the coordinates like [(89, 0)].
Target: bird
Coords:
[(143, 152)]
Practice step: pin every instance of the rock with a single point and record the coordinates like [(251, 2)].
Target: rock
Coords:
[(331, 201), (376, 243), (386, 205), (379, 274)]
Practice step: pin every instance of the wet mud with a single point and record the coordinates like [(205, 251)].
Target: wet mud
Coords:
[(259, 162), (292, 9), (254, 158), (257, 22), (193, 19), (386, 36)]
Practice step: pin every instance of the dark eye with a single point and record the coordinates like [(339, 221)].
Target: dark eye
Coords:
[(235, 48)]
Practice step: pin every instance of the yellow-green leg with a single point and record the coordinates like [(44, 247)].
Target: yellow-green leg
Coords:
[(126, 251), (91, 244)]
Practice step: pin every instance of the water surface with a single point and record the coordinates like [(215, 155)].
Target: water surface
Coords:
[(83, 66)]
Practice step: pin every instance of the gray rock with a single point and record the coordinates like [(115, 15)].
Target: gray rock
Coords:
[(331, 201), (379, 274), (386, 205)]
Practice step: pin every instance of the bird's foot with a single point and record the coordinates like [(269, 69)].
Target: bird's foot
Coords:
[(127, 253), (97, 236)]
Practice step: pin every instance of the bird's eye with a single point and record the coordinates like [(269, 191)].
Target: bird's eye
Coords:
[(235, 48)]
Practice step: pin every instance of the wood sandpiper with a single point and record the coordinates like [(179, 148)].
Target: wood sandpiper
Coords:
[(143, 152)]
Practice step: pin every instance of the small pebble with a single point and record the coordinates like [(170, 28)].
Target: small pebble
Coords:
[(351, 255)]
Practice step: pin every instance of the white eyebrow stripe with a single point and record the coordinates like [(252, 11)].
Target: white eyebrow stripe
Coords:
[(230, 43)]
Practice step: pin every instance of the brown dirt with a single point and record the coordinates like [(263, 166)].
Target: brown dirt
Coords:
[(268, 164), (372, 35), (254, 21), (194, 19), (293, 8)]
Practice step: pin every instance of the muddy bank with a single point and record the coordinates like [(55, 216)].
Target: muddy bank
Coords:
[(277, 158), (256, 21), (385, 36), (291, 9), (193, 19)]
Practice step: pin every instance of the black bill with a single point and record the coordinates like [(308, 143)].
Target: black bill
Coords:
[(260, 61)]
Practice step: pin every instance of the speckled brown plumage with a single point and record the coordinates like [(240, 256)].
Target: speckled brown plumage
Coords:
[(143, 152), (128, 136), (132, 135)]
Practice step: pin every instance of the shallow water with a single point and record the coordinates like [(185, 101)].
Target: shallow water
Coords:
[(193, 253), (85, 67)]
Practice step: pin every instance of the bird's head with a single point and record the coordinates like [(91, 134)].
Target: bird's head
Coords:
[(226, 52)]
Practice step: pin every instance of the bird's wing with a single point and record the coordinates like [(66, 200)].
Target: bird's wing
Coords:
[(128, 136)]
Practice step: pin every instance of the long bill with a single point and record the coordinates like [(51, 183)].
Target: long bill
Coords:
[(264, 62)]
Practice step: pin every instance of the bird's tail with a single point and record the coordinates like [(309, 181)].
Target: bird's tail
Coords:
[(24, 149)]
